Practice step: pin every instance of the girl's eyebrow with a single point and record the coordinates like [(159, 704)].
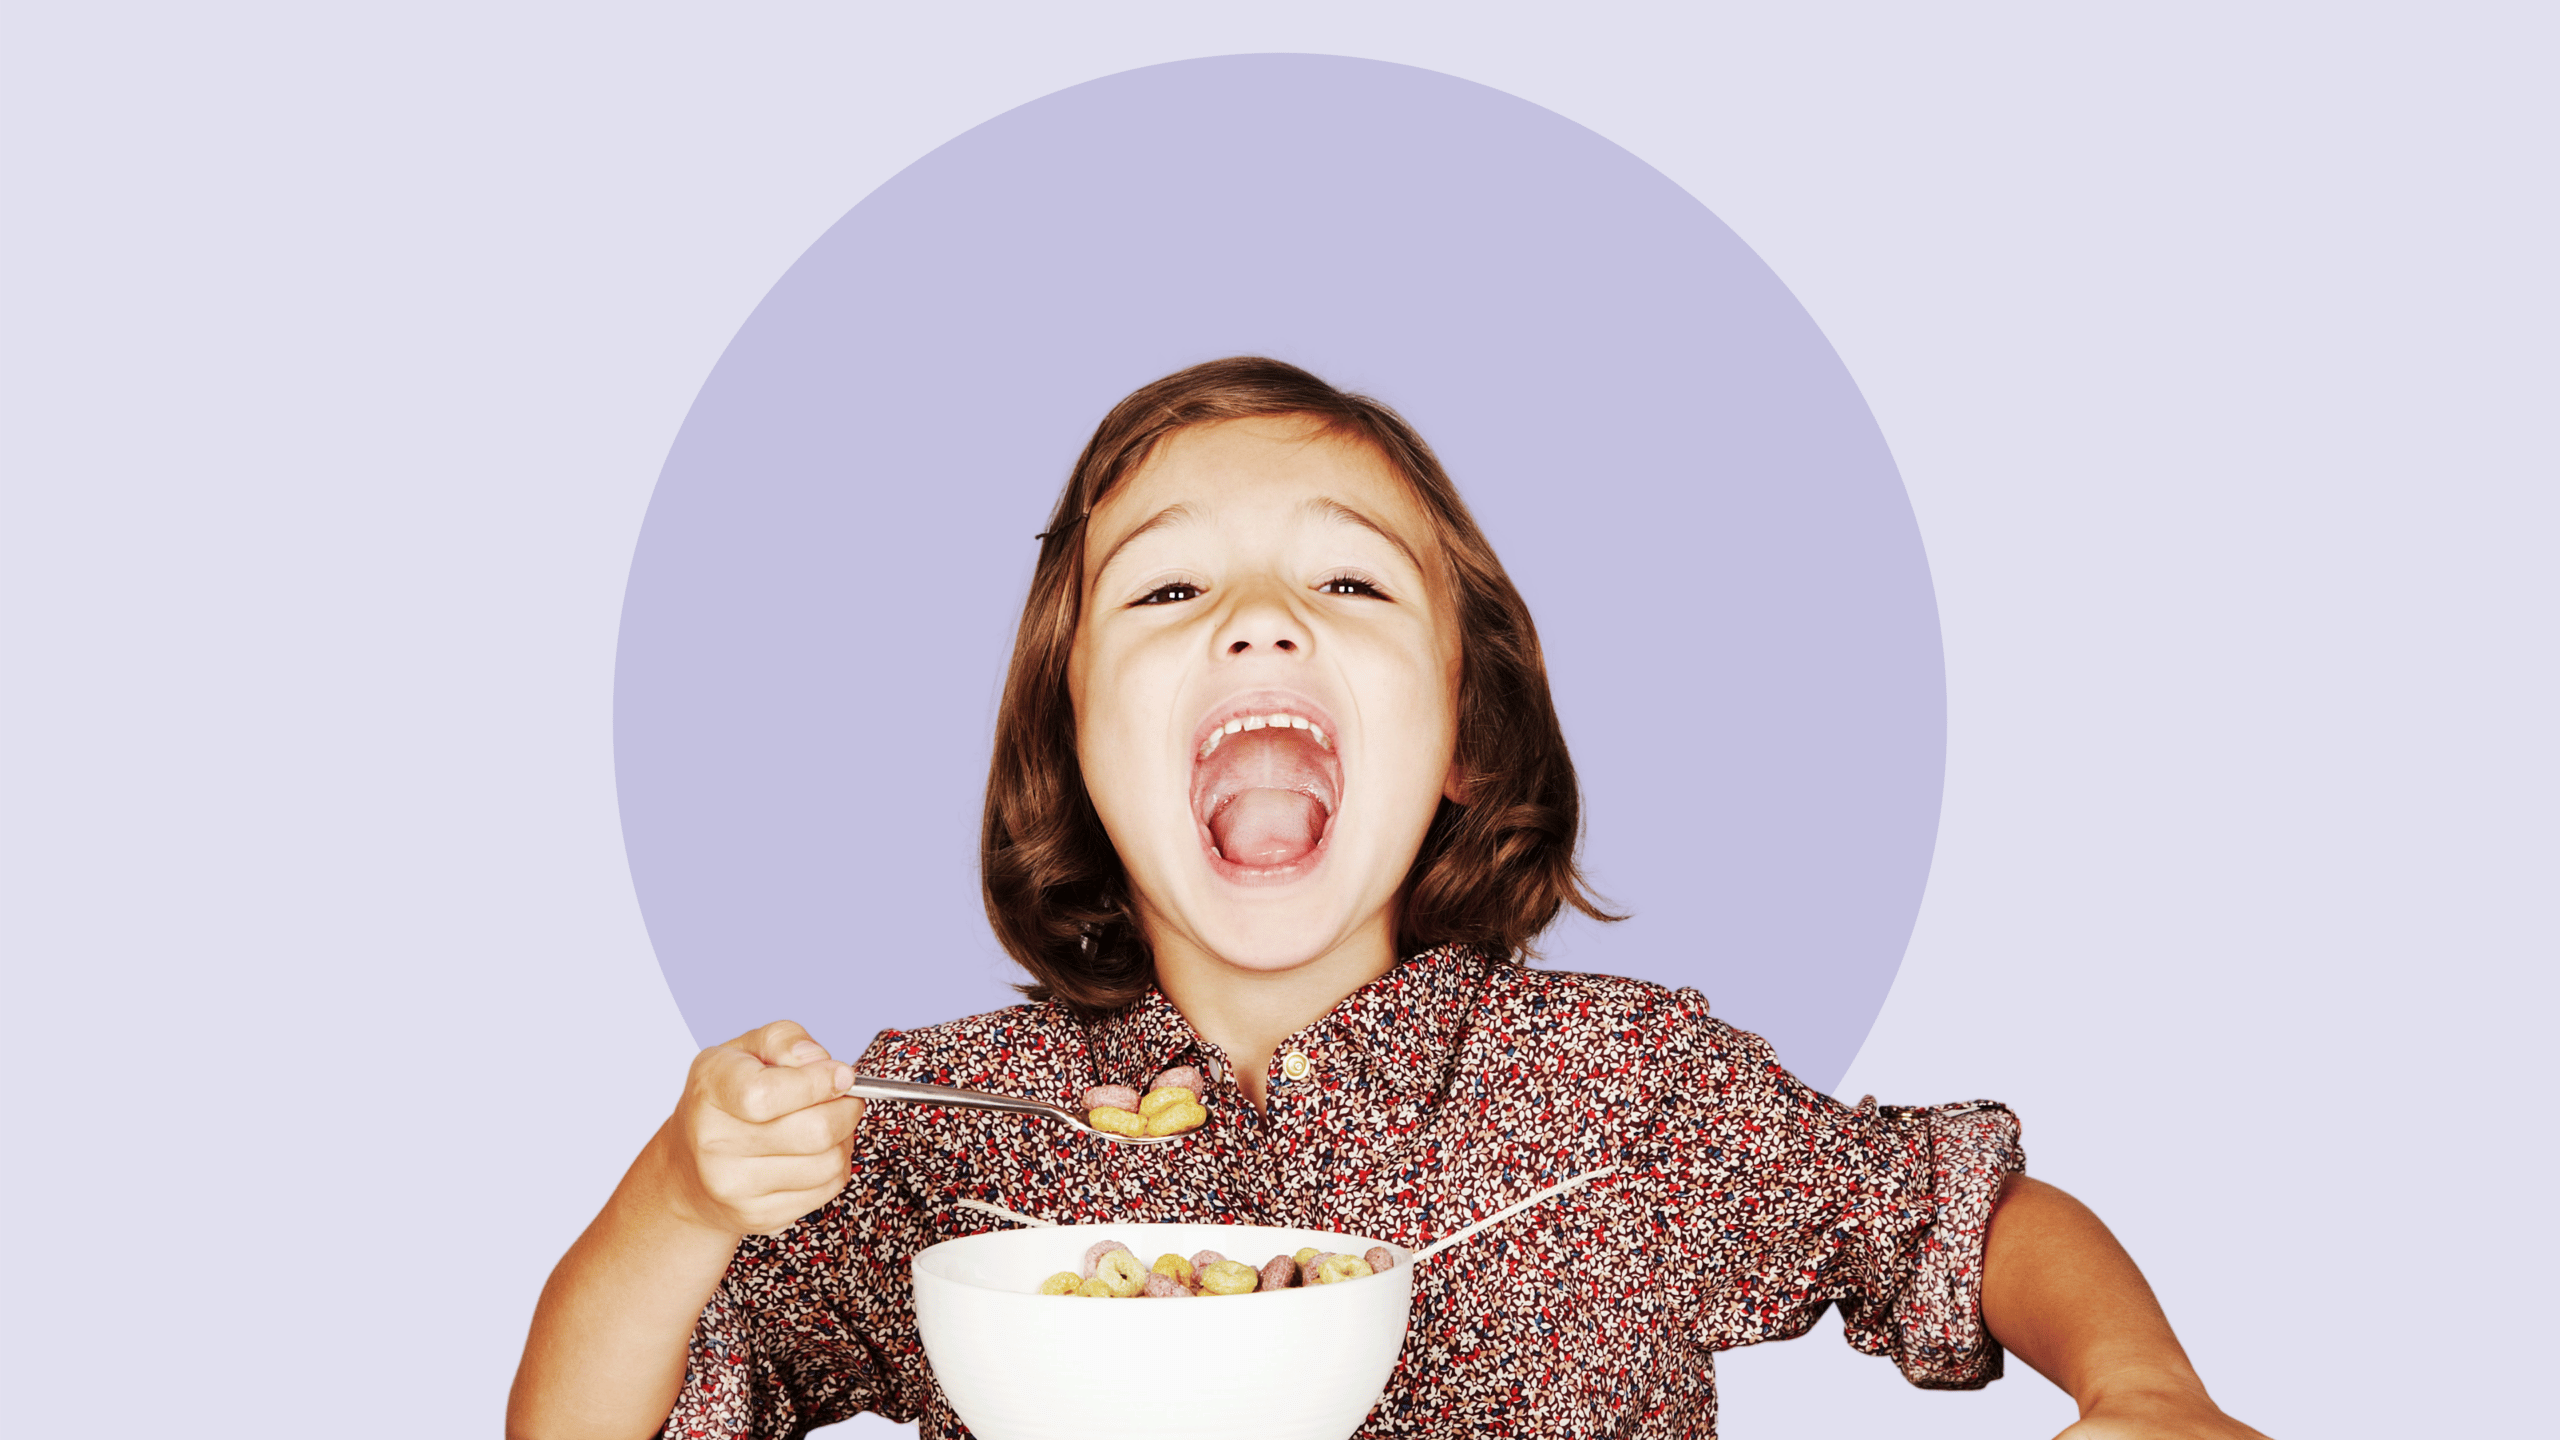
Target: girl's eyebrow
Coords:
[(1323, 507), (1326, 507), (1170, 515)]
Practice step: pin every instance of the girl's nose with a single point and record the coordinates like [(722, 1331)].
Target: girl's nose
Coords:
[(1262, 622)]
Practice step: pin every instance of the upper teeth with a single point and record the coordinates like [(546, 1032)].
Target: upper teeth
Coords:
[(1242, 723)]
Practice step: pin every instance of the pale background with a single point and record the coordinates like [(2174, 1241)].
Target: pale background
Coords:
[(2215, 343)]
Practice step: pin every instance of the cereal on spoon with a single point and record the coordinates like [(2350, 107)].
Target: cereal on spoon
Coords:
[(1171, 1105)]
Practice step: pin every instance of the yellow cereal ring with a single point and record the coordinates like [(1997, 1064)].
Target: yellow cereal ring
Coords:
[(1334, 1269), (1159, 1101), (1306, 1253), (1065, 1282), (1121, 1271), (1230, 1277), (1096, 1288), (1115, 1120), (1177, 1120), (1175, 1266)]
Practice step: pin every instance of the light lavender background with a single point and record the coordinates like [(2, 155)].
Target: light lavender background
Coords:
[(343, 349), (1674, 465)]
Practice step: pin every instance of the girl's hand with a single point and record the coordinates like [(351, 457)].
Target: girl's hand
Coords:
[(761, 1136)]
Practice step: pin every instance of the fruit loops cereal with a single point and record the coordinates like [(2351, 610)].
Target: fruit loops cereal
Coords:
[(1171, 1105), (1113, 1271)]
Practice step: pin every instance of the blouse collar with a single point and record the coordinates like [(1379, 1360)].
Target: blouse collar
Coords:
[(1406, 1024)]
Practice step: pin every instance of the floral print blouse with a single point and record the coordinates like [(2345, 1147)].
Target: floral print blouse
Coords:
[(1743, 1204)]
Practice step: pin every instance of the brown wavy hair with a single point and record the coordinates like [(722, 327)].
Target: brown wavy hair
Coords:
[(1492, 872)]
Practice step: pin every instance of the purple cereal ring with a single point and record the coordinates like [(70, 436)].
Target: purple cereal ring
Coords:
[(1380, 1258), (1280, 1273), (1161, 1286), (1307, 1268), (1118, 1097), (1187, 1077), (1094, 1256), (1204, 1260)]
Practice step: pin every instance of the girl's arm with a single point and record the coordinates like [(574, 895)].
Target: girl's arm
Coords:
[(758, 1141), (2062, 1295)]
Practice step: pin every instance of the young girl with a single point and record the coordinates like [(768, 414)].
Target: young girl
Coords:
[(1279, 793)]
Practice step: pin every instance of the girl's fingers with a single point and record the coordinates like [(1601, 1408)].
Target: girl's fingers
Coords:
[(836, 1121), (781, 1043), (818, 1129), (759, 1186), (739, 1084)]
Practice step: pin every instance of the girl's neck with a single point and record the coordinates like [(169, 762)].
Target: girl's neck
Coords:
[(1247, 1013)]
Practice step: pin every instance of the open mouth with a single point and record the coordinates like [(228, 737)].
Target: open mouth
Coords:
[(1265, 783)]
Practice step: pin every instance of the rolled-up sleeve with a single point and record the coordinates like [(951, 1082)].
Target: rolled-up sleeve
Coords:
[(1791, 1202)]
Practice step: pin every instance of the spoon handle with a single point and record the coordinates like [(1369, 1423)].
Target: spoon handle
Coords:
[(870, 1087)]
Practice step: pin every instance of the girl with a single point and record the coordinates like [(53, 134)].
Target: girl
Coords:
[(1279, 793)]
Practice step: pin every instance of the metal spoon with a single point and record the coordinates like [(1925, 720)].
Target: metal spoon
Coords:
[(868, 1087)]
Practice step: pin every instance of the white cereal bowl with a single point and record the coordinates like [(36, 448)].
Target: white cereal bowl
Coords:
[(1301, 1364)]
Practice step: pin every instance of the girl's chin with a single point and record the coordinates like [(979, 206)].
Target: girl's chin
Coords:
[(1274, 960), (1271, 930)]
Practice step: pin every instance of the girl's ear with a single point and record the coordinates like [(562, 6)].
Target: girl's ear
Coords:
[(1454, 788)]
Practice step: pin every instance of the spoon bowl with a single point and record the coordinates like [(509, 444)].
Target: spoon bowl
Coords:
[(869, 1087)]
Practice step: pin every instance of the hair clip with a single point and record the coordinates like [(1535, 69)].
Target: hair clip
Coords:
[(1063, 529)]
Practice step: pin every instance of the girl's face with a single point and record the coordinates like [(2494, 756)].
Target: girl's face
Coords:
[(1255, 569)]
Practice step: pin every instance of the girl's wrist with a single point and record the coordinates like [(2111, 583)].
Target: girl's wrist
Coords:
[(2145, 1390), (661, 1196)]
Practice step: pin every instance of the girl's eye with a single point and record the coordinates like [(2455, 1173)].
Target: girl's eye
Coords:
[(1351, 585), (1169, 594)]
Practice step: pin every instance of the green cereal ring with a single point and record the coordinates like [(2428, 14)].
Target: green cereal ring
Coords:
[(1334, 1269), (1094, 1253), (1230, 1277), (1176, 1119), (1115, 1120), (1159, 1101), (1121, 1271)]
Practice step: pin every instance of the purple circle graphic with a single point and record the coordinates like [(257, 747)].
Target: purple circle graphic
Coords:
[(1675, 465)]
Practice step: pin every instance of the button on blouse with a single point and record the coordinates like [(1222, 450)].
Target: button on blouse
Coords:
[(1744, 1203)]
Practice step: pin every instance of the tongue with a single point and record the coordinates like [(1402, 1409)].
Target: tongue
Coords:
[(1267, 827)]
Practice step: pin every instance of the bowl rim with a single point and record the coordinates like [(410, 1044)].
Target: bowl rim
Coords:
[(918, 1271)]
